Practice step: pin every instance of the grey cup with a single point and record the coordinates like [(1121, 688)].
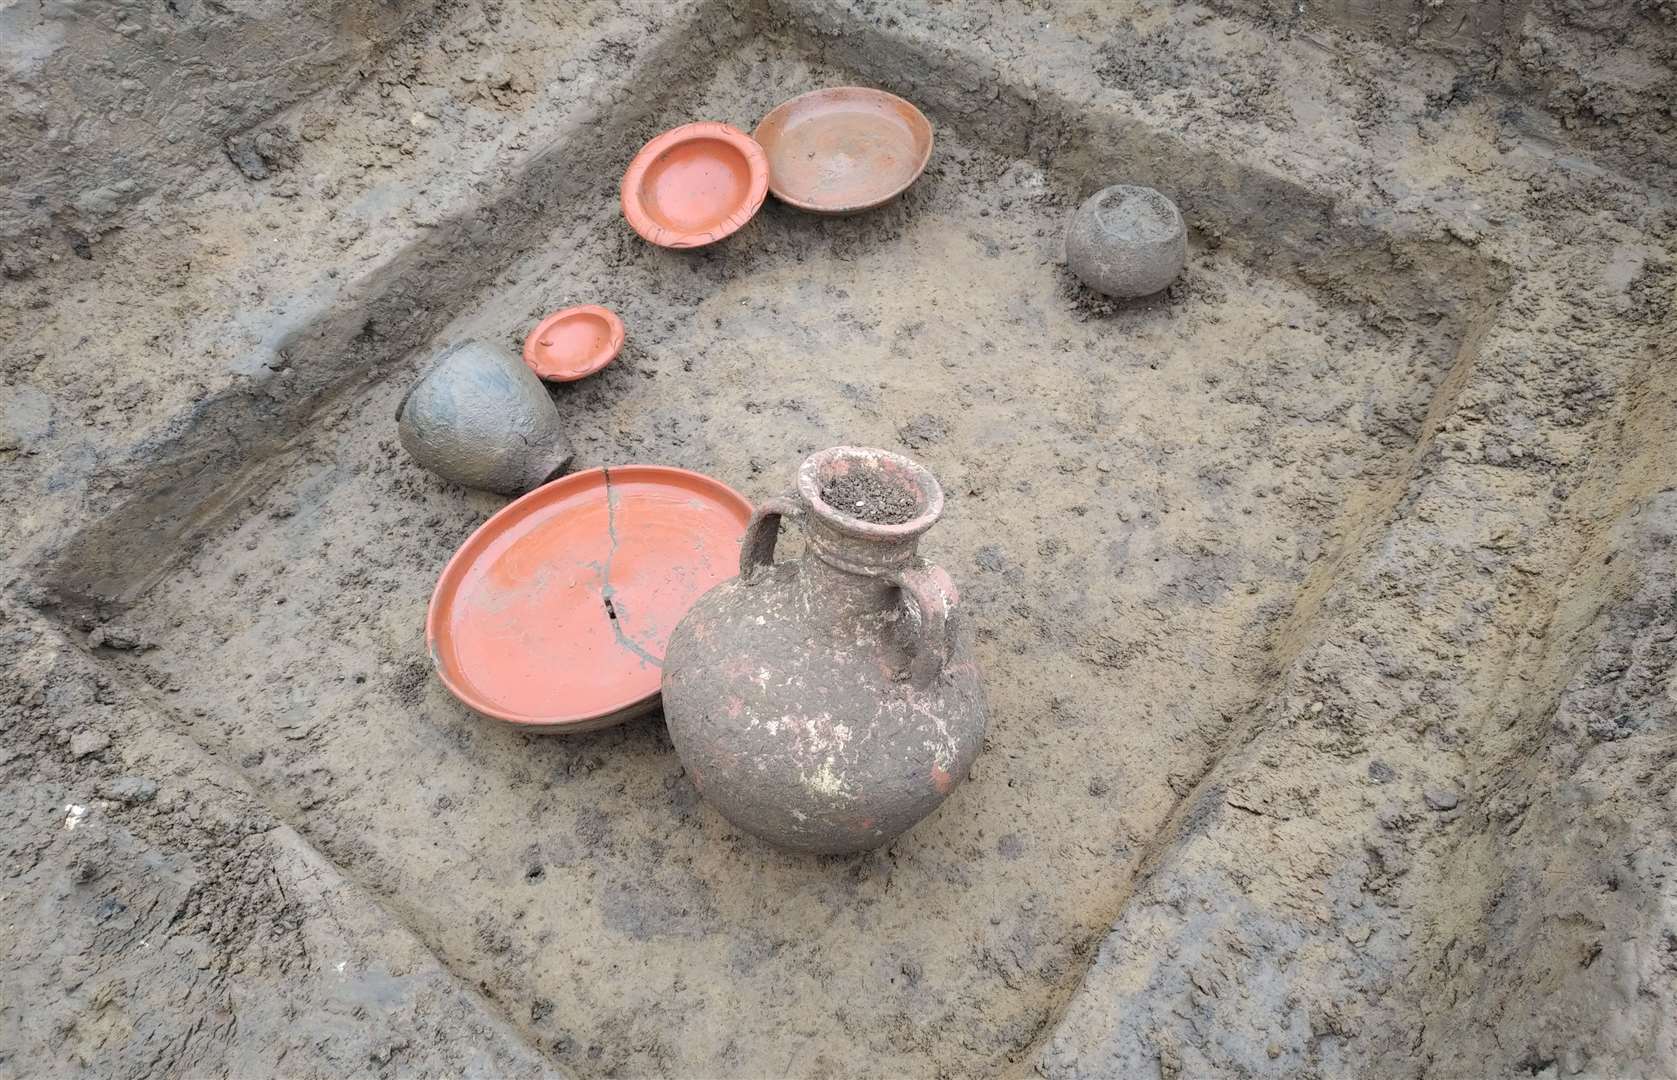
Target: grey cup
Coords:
[(1127, 241), (481, 418)]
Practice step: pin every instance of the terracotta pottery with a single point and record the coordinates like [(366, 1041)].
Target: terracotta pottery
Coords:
[(1127, 241), (828, 704), (479, 417), (695, 185), (553, 616), (845, 149), (574, 343)]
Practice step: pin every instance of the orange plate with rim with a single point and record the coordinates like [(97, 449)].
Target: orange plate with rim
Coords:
[(573, 343), (844, 149), (695, 184), (554, 615)]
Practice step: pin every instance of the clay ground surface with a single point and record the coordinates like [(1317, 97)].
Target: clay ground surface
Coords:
[(1089, 499), (1324, 602)]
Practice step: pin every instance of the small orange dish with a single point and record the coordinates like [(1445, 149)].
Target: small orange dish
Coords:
[(571, 344), (695, 184)]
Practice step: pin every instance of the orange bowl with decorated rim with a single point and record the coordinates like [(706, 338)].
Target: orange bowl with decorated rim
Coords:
[(695, 185)]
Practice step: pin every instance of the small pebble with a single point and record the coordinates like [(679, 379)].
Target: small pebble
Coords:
[(129, 789), (111, 636), (1441, 799), (84, 743)]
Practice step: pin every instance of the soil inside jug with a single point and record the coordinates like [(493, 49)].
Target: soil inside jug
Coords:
[(872, 496)]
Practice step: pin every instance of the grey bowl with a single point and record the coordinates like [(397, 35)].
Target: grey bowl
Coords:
[(1127, 241)]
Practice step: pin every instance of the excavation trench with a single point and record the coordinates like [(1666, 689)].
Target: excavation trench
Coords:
[(1145, 499)]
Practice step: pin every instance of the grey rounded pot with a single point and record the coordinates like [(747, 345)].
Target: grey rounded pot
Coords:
[(1127, 241), (481, 418)]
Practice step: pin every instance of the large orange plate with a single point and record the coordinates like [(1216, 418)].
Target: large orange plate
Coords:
[(554, 615)]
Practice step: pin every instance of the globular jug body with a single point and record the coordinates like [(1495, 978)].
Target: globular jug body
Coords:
[(828, 704)]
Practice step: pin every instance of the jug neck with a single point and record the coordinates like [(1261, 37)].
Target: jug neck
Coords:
[(858, 556), (851, 575)]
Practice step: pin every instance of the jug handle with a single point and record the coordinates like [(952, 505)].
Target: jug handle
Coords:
[(934, 596), (757, 546)]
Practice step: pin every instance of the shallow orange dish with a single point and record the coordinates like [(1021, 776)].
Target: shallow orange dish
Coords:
[(554, 615), (573, 343), (695, 184), (845, 149)]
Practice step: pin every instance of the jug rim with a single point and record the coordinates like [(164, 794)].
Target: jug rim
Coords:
[(822, 465)]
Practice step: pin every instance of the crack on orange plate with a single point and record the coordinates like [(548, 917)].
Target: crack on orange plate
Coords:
[(608, 593)]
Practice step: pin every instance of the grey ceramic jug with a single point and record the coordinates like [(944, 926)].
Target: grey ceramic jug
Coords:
[(827, 704)]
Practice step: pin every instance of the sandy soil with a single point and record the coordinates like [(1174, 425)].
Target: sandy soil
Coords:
[(1324, 601), (1091, 489)]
